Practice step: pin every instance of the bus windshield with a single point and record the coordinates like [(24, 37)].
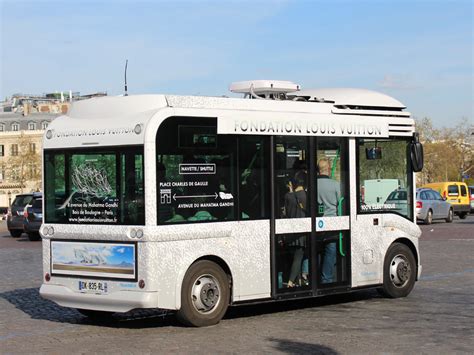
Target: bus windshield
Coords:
[(93, 186)]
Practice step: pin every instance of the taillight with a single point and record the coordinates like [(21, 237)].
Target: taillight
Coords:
[(419, 204), (444, 193)]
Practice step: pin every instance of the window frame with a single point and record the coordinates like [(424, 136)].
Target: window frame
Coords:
[(117, 151), (410, 194)]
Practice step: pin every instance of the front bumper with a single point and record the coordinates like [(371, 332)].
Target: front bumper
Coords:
[(118, 301)]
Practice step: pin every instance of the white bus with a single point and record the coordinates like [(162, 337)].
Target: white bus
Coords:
[(196, 203)]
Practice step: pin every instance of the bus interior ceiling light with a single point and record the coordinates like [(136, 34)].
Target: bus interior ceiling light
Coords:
[(263, 89)]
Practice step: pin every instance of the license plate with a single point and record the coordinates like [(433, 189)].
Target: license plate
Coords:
[(97, 287)]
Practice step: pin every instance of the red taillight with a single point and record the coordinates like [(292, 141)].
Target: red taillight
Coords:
[(47, 277), (444, 193), (419, 204), (141, 284)]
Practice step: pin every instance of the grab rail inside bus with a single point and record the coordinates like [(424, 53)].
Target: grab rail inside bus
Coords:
[(341, 237)]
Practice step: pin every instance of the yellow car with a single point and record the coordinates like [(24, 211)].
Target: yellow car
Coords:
[(456, 193)]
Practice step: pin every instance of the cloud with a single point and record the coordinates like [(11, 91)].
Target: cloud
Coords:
[(120, 250)]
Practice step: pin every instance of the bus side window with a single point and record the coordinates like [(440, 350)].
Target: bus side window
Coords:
[(254, 186), (332, 177), (196, 173)]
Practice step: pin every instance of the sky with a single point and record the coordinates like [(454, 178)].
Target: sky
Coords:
[(418, 51)]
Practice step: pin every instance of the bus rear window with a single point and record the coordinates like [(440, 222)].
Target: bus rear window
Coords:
[(88, 186)]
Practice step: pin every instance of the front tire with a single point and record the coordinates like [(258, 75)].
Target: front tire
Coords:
[(205, 295), (399, 271), (449, 219), (16, 233)]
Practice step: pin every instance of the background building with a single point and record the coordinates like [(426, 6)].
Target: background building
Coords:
[(20, 153), (23, 120)]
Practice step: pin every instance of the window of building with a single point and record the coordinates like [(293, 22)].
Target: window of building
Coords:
[(2, 127), (15, 126), (31, 126), (2, 172), (15, 173), (44, 125), (32, 147), (14, 149), (2, 150), (32, 172), (385, 176)]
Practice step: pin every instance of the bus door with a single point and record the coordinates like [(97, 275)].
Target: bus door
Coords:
[(331, 263), (291, 235)]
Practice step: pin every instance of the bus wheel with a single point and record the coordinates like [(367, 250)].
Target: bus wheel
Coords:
[(399, 271), (205, 295), (449, 219), (463, 215)]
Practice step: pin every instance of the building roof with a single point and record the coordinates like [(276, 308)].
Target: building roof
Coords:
[(8, 118)]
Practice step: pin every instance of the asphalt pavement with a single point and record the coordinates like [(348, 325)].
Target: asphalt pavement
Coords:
[(437, 317)]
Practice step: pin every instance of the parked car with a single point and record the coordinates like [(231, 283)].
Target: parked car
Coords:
[(471, 198), (15, 215), (430, 205), (456, 193), (398, 199), (33, 216)]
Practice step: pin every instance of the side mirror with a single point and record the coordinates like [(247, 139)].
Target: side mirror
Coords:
[(416, 154)]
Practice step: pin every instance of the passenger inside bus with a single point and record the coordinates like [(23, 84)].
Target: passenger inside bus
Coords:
[(296, 207), (329, 194)]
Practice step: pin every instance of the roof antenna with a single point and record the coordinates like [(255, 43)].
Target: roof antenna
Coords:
[(126, 63)]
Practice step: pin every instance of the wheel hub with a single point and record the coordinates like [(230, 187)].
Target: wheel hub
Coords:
[(205, 293), (400, 271)]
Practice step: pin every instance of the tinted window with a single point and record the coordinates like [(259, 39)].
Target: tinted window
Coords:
[(424, 196), (22, 201), (196, 172), (436, 195), (37, 203), (254, 177), (463, 190), (453, 190), (432, 195), (94, 186)]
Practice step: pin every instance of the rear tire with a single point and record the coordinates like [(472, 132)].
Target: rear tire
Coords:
[(429, 217), (205, 295), (15, 233), (463, 215), (399, 271), (449, 219), (34, 237)]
